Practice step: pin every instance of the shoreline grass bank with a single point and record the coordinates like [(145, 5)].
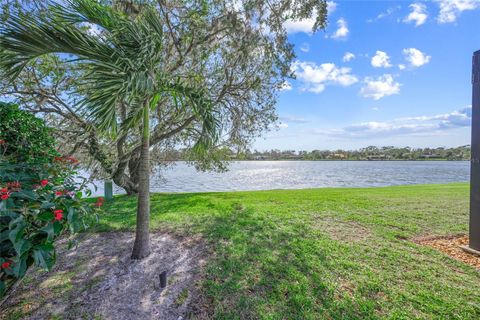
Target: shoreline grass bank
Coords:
[(340, 253), (323, 253)]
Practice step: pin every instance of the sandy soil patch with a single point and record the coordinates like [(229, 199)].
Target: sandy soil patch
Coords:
[(98, 280), (451, 246)]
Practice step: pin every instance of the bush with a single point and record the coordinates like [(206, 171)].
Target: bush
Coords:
[(40, 200), (28, 137)]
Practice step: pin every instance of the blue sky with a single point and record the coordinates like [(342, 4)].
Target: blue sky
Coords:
[(382, 73)]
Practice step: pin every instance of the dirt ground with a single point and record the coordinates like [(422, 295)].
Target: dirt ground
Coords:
[(451, 246), (98, 280)]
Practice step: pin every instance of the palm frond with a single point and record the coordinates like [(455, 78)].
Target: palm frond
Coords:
[(27, 37), (123, 65), (202, 107)]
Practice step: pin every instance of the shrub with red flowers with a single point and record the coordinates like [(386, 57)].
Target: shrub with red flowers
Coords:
[(39, 202), (24, 136)]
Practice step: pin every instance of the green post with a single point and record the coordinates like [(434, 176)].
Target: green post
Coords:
[(108, 190)]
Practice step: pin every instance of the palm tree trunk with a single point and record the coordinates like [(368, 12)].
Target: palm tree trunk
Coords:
[(141, 248)]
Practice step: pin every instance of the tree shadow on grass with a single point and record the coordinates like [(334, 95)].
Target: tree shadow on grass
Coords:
[(120, 214), (260, 267), (267, 262), (264, 270)]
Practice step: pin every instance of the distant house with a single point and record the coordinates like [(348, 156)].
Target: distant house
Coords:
[(378, 157), (337, 156), (431, 156)]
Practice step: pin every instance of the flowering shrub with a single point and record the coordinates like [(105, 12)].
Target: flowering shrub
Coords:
[(39, 201), (29, 138)]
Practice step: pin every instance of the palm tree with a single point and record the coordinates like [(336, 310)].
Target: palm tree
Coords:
[(122, 82)]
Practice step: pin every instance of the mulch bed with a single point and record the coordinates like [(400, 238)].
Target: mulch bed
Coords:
[(451, 246)]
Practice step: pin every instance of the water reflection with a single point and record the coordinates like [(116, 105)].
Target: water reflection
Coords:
[(263, 175)]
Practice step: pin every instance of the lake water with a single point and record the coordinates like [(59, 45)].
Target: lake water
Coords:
[(264, 175)]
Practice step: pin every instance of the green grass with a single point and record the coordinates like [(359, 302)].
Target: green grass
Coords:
[(323, 253)]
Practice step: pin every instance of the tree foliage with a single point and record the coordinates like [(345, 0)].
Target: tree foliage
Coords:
[(368, 153), (236, 51), (29, 138), (39, 201), (123, 82)]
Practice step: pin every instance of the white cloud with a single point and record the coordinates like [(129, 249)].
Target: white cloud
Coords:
[(401, 67), (305, 47), (283, 126), (381, 60), (331, 7), (418, 14), (415, 57), (348, 56), (342, 31), (458, 118), (405, 126), (306, 25), (385, 14), (316, 77), (451, 9), (382, 86), (293, 119), (286, 86), (295, 26)]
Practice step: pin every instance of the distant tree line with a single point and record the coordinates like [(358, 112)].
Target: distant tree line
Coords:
[(368, 153)]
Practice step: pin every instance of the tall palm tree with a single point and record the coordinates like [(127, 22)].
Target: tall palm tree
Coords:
[(123, 81)]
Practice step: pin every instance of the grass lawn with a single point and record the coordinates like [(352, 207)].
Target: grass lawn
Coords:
[(323, 253)]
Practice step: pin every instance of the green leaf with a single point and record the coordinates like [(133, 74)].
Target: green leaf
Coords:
[(73, 221), (2, 288), (45, 216), (20, 266), (44, 255), (52, 229), (22, 246), (4, 235), (47, 205), (49, 230), (25, 194), (17, 233), (57, 228)]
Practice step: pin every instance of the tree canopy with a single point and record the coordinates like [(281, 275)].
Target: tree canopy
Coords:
[(236, 51)]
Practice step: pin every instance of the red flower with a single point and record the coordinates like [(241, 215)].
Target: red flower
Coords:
[(58, 214), (44, 182), (5, 196), (58, 193), (2, 142), (14, 184), (6, 264), (4, 190), (71, 159), (99, 202)]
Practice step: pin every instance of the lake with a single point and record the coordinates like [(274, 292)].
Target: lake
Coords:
[(264, 175)]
